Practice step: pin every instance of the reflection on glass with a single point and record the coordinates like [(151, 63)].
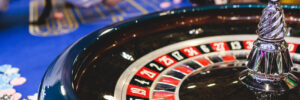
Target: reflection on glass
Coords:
[(211, 85), (108, 97), (191, 86), (127, 56)]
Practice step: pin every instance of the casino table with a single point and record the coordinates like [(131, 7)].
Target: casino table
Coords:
[(27, 50), (132, 52)]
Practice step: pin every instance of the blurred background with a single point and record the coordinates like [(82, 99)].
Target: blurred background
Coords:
[(34, 32)]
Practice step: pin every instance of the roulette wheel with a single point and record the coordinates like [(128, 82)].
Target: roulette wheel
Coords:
[(188, 54)]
